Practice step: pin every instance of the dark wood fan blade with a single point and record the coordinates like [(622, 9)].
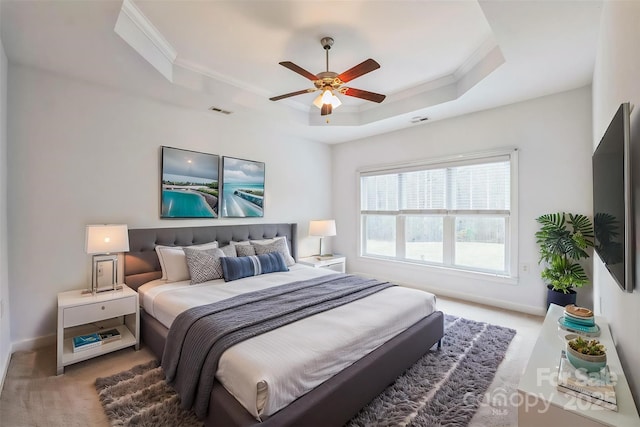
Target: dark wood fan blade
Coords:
[(297, 69), (363, 68), (326, 109), (287, 95), (364, 94)]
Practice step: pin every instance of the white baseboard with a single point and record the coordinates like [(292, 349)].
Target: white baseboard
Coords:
[(522, 308), (33, 343), (24, 345), (4, 367), (536, 311)]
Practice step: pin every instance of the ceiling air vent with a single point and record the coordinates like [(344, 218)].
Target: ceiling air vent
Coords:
[(219, 110), (419, 119)]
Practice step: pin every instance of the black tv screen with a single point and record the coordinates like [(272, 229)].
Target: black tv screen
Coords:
[(612, 200)]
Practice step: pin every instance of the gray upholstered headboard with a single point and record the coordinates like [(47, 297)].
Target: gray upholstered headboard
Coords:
[(141, 263)]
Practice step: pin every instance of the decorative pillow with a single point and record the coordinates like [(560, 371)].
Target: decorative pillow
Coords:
[(276, 245), (237, 268), (245, 250), (173, 261), (204, 264), (229, 250), (248, 242)]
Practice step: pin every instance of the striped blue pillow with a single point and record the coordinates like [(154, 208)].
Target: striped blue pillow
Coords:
[(237, 268)]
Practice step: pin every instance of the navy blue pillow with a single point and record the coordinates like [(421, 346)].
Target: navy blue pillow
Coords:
[(237, 268)]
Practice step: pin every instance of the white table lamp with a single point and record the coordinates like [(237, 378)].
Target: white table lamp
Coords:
[(104, 242), (322, 228)]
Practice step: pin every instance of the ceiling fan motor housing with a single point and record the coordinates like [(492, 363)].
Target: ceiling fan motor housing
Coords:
[(326, 42), (327, 79)]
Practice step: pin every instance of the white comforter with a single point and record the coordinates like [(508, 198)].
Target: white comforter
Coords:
[(267, 372)]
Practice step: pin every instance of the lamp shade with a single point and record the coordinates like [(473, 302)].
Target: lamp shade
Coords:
[(335, 101), (318, 101), (104, 239), (327, 97), (322, 228)]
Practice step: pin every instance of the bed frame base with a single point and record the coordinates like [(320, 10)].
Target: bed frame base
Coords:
[(330, 404), (335, 401)]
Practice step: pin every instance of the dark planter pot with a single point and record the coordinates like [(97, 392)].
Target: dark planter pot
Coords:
[(560, 298)]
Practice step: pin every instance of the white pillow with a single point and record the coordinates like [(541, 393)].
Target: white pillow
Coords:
[(262, 241), (173, 261)]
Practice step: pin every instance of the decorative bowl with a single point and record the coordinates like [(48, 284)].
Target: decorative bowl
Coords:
[(585, 361)]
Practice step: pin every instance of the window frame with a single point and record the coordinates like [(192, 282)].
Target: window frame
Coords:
[(449, 215)]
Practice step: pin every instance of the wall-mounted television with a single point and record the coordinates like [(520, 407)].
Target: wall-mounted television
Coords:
[(612, 200)]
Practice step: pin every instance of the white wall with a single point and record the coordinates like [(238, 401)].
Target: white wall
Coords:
[(616, 80), (553, 135), (5, 338), (82, 154)]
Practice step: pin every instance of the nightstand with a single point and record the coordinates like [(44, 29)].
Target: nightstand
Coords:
[(80, 314), (331, 262)]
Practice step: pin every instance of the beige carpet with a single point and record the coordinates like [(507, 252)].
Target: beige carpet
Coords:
[(34, 396)]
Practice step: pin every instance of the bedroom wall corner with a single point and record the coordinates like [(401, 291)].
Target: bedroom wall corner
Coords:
[(5, 330), (616, 80)]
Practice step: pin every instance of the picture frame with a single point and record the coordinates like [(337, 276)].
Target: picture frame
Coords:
[(243, 184), (189, 184)]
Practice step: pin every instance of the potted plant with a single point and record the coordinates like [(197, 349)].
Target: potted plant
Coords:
[(587, 354), (564, 239)]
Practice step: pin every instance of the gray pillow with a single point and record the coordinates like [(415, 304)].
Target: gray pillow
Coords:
[(229, 251), (204, 264), (245, 250), (278, 245)]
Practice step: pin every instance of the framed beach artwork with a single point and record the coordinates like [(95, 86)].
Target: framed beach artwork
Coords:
[(189, 184), (242, 188)]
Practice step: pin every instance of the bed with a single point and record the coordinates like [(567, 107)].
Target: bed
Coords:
[(336, 399)]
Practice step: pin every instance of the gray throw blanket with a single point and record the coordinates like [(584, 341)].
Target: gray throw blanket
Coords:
[(198, 337)]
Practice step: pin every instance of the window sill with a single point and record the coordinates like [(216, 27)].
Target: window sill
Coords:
[(451, 271)]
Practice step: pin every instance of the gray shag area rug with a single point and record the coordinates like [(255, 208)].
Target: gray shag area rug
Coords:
[(443, 388)]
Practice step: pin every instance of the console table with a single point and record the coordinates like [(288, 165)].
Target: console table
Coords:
[(541, 404)]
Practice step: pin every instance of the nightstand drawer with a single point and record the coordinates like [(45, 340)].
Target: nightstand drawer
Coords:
[(338, 267), (97, 311)]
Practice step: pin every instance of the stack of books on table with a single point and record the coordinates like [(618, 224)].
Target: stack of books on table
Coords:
[(594, 387), (579, 320), (109, 335), (85, 342)]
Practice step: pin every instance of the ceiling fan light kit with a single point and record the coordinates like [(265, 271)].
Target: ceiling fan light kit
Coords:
[(327, 97), (328, 82)]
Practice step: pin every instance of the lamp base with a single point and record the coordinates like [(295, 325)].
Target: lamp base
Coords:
[(320, 257), (104, 275), (101, 290)]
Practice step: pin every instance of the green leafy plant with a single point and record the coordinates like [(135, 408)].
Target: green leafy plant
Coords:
[(591, 347), (563, 242)]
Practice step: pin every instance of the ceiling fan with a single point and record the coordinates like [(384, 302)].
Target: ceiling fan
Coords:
[(328, 81)]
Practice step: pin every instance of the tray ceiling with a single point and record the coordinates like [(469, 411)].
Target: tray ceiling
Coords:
[(438, 59)]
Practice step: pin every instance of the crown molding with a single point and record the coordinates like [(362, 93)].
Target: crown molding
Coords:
[(140, 33), (135, 29), (149, 30)]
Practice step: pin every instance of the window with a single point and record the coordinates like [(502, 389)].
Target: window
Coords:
[(452, 213)]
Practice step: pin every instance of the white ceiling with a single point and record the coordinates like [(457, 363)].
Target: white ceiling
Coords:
[(438, 59)]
